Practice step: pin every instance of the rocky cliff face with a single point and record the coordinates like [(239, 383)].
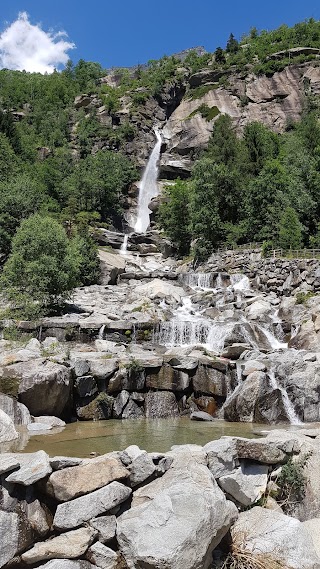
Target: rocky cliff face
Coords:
[(275, 101)]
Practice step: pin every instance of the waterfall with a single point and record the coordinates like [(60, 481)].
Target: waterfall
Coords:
[(124, 246), (239, 282), (204, 281), (148, 187), (101, 332), (289, 408)]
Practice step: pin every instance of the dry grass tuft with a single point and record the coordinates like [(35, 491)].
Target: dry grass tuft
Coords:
[(241, 558)]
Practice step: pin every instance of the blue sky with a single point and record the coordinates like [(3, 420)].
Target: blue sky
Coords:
[(128, 32)]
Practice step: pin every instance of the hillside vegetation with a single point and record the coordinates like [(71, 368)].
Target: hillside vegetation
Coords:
[(72, 166)]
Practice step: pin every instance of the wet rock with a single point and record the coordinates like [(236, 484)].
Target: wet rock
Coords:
[(210, 381), (70, 545), (132, 411), (86, 386), (72, 482), (97, 409), (266, 534), (33, 467), (160, 405), (74, 513), (247, 484), (201, 416), (49, 420), (120, 403), (234, 351)]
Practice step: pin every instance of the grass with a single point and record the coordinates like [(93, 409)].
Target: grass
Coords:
[(201, 91), (303, 297)]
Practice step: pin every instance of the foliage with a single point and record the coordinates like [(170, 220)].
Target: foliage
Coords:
[(290, 233), (292, 482), (175, 216), (303, 297), (41, 270)]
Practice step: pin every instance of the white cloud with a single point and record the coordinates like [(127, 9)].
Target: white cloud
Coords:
[(24, 46)]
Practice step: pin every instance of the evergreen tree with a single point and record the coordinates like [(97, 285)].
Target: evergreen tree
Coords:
[(232, 44), (219, 55)]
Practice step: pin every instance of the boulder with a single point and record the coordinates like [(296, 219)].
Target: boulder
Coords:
[(221, 457), (102, 556), (111, 267), (246, 484), (7, 430), (106, 527), (67, 564), (177, 520), (141, 468), (60, 462), (168, 378), (120, 403), (17, 411), (97, 409), (201, 416), (132, 411), (33, 467), (313, 528), (50, 421), (161, 289), (70, 545), (265, 535), (9, 531), (210, 381), (70, 483), (86, 386), (260, 450), (45, 388), (160, 405), (74, 513), (8, 462)]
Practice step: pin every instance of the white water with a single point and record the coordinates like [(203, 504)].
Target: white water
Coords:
[(101, 332), (203, 281), (239, 282), (148, 187), (124, 246), (291, 414)]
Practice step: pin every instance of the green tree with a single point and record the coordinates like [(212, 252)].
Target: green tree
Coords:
[(175, 215), (232, 44), (85, 251), (41, 269), (219, 55), (290, 230), (261, 145)]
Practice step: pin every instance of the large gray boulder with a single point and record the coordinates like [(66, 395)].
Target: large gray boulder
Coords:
[(17, 411), (247, 484), (70, 483), (43, 386), (67, 564), (103, 556), (9, 531), (160, 405), (7, 430), (178, 520), (261, 534), (33, 467), (74, 513)]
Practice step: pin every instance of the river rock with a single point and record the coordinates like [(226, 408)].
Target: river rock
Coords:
[(97, 409), (210, 381), (186, 497), (103, 369), (102, 556), (86, 386), (33, 467), (247, 484), (8, 462), (168, 378), (60, 462), (260, 450), (67, 564), (70, 545), (9, 531), (266, 534), (313, 528), (160, 289), (120, 403), (17, 411), (70, 483), (106, 527), (132, 411), (160, 405), (50, 421), (7, 430), (201, 416), (45, 388), (74, 513)]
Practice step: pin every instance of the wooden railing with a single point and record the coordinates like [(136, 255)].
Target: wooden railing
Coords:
[(295, 254)]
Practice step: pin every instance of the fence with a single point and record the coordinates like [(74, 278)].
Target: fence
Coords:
[(295, 254)]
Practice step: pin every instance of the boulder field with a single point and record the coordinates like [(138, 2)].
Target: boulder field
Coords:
[(190, 508)]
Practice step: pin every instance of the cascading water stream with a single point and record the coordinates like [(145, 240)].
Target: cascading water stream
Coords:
[(289, 408), (148, 187), (124, 246)]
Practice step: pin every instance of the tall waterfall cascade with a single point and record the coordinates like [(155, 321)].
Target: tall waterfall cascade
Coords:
[(148, 187)]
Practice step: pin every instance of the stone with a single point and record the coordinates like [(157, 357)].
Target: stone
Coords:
[(97, 409), (86, 386), (247, 484), (160, 405), (8, 462), (111, 267), (132, 411), (221, 457), (168, 378), (74, 513), (120, 403), (45, 388), (81, 368), (260, 450), (60, 462), (313, 529), (240, 406), (269, 535), (75, 481), (7, 431), (201, 416), (252, 366), (102, 556), (33, 467), (210, 381), (186, 499), (258, 310), (9, 531), (69, 545), (235, 350), (141, 468), (106, 527), (50, 421), (67, 564), (103, 369), (17, 411)]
